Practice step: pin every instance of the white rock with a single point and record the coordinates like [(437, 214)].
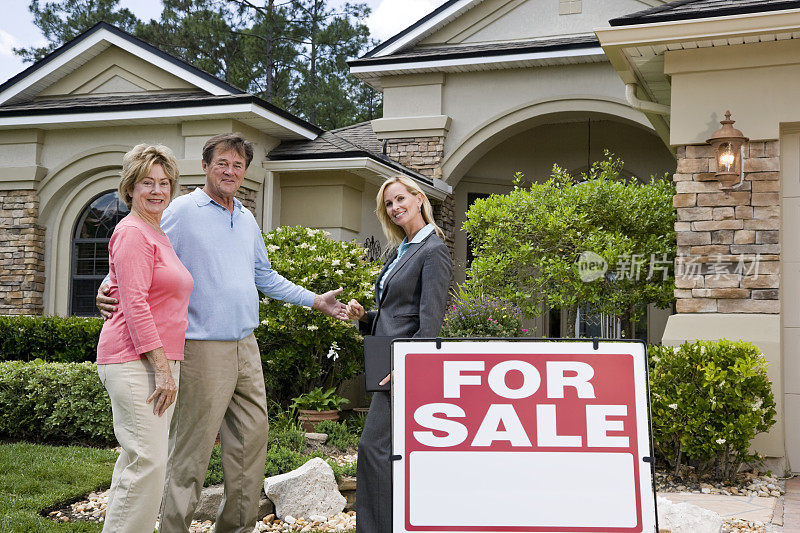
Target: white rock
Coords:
[(309, 490), (317, 518), (317, 438), (687, 518), (289, 519)]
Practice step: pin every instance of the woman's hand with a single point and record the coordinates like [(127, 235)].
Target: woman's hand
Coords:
[(166, 391), (355, 311), (387, 379)]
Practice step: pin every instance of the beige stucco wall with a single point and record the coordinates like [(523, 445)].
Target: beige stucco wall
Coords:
[(329, 200), (761, 330), (501, 20), (790, 286), (757, 82)]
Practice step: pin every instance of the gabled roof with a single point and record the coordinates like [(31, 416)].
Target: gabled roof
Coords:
[(71, 55), (214, 98), (695, 9), (425, 26)]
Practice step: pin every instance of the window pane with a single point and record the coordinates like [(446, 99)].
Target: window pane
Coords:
[(83, 294), (90, 249)]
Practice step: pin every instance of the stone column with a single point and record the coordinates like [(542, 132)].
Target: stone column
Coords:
[(728, 244), (425, 155), (21, 254)]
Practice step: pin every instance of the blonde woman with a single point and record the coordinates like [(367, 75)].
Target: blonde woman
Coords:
[(411, 293), (141, 346)]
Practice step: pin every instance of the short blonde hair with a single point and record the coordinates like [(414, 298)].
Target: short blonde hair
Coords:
[(393, 232), (138, 163)]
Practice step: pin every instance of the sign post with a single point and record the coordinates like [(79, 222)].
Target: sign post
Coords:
[(539, 436)]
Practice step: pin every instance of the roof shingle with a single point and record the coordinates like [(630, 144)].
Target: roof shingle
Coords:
[(480, 50), (356, 138), (695, 9)]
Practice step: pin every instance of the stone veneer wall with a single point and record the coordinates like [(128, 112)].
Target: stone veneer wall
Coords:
[(728, 244), (21, 254), (424, 155)]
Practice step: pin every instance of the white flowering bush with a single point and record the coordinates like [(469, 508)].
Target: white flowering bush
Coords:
[(303, 349), (709, 399)]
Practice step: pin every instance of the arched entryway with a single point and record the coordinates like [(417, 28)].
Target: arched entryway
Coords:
[(572, 139)]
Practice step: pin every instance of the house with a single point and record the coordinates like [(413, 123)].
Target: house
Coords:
[(66, 121), (473, 92)]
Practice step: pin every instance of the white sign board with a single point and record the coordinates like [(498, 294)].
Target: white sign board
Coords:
[(527, 436)]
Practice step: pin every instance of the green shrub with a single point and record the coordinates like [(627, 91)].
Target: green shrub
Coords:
[(54, 401), (302, 349), (340, 434), (318, 400), (709, 399), (279, 461), (51, 338), (481, 316)]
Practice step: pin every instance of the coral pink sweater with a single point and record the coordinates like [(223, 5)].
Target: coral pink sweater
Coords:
[(152, 287)]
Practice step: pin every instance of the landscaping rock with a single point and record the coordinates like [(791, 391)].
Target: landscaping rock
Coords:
[(317, 438), (687, 518), (309, 490), (347, 488), (211, 498)]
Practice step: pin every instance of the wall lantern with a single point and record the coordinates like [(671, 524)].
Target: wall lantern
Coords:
[(729, 145)]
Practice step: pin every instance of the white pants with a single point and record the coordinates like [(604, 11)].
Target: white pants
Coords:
[(138, 480)]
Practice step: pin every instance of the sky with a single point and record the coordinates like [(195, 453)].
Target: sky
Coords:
[(17, 29)]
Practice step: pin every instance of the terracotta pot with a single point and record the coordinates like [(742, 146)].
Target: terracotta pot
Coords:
[(311, 417)]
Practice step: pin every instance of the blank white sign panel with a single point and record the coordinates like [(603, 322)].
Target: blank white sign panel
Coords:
[(460, 489)]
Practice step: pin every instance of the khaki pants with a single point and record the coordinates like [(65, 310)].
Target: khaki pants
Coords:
[(138, 478), (222, 389)]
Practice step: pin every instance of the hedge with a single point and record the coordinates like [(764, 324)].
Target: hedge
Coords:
[(41, 401), (50, 338)]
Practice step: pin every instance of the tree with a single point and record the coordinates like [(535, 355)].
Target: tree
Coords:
[(292, 53), (63, 20), (200, 33), (324, 93), (531, 245)]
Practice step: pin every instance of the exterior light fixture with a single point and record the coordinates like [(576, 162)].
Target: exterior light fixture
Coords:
[(729, 145)]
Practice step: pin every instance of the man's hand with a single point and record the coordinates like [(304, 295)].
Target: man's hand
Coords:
[(328, 304), (355, 311), (106, 305)]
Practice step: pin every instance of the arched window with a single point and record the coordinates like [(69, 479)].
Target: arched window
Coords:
[(90, 250)]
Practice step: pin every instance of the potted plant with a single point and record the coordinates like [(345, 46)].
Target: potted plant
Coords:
[(317, 405)]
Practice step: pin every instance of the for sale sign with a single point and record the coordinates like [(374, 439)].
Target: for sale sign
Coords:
[(521, 436)]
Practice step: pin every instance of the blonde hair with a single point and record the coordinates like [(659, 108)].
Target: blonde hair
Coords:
[(393, 232), (138, 163)]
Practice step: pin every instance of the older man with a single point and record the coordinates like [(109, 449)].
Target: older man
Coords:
[(222, 384)]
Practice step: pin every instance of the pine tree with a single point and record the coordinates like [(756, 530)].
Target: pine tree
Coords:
[(63, 20)]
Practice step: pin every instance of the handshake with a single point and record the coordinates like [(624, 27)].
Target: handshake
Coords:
[(355, 311)]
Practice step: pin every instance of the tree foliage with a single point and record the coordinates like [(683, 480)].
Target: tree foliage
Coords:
[(292, 53), (528, 243), (63, 20)]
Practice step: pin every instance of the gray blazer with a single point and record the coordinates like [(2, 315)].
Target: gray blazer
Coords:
[(414, 294)]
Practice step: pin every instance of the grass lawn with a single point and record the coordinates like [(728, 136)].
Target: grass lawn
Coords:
[(34, 477)]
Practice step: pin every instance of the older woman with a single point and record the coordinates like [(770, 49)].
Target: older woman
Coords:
[(411, 293), (140, 346)]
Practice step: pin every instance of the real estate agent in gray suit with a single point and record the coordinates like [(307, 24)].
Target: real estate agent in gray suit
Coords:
[(411, 293)]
